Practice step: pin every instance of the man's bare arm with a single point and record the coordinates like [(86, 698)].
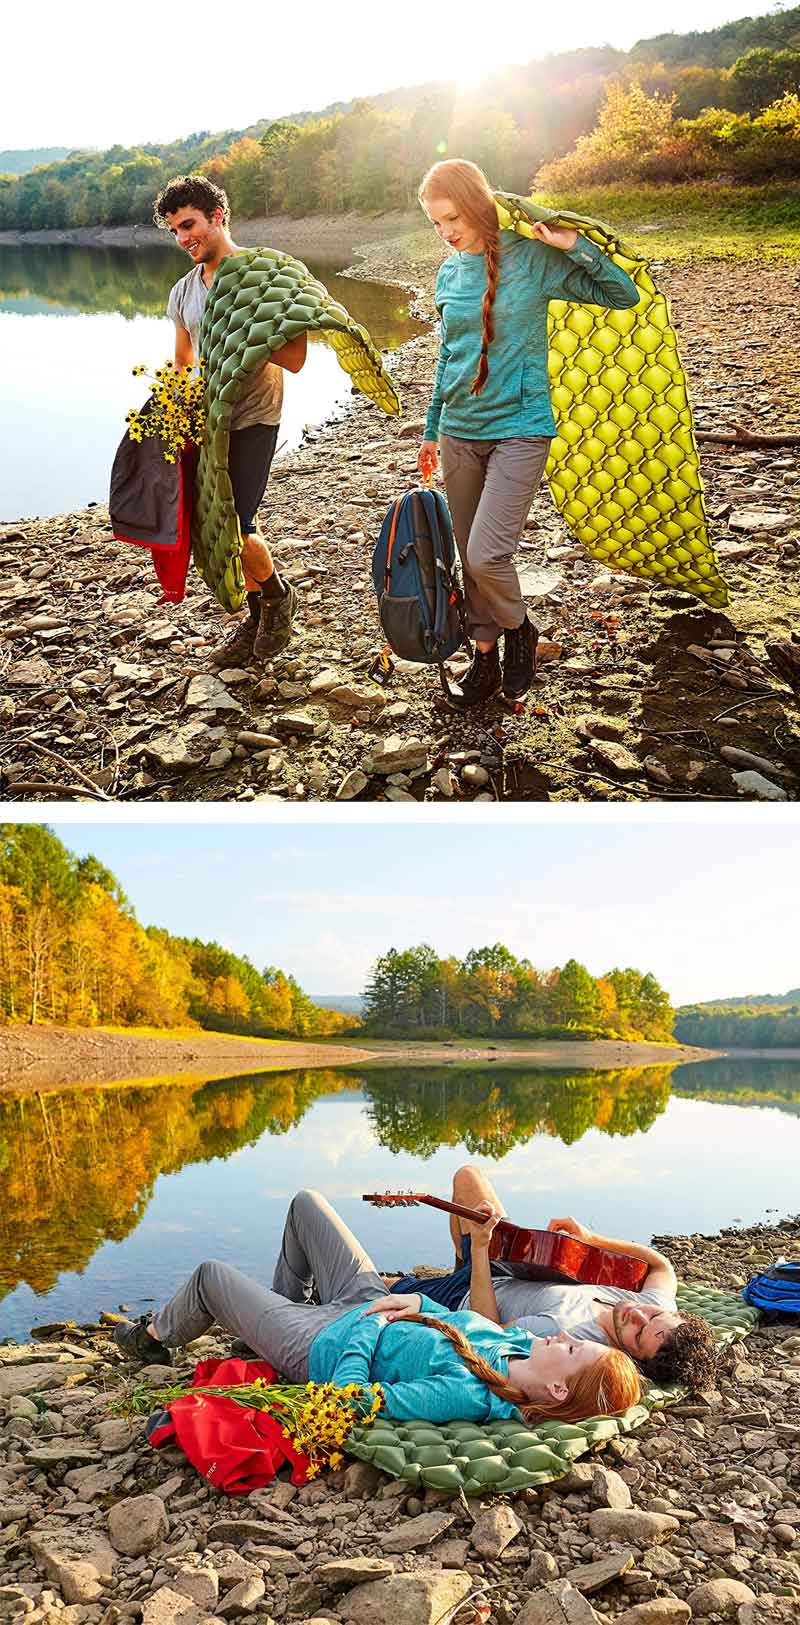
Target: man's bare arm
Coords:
[(184, 353), (660, 1273), (292, 356)]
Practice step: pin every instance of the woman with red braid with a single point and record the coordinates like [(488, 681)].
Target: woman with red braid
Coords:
[(490, 414)]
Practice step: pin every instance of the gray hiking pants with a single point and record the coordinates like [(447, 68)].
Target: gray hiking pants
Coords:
[(317, 1252), (490, 486)]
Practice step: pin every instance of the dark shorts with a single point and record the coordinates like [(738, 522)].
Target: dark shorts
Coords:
[(249, 462), (448, 1290)]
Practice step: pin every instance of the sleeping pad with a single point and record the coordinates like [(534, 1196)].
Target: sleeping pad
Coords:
[(258, 301), (623, 467)]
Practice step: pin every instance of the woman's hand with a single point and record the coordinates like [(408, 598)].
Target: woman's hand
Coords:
[(397, 1306), (572, 1228), (564, 237), (482, 1233), (428, 459)]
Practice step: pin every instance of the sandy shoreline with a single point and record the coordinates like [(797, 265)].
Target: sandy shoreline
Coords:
[(36, 1058)]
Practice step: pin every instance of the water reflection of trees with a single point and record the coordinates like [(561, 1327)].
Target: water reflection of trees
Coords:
[(78, 1167), (740, 1081), (492, 1111), (135, 282)]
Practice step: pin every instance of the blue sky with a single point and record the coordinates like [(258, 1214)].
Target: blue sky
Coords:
[(88, 76), (707, 901)]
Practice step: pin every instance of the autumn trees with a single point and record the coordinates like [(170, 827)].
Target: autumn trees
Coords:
[(72, 951), (721, 98), (492, 992)]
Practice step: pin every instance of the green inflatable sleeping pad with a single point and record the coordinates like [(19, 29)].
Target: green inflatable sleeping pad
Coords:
[(623, 467), (503, 1457), (258, 301)]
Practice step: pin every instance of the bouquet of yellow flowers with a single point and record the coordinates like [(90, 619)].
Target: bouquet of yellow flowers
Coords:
[(315, 1418), (175, 410)]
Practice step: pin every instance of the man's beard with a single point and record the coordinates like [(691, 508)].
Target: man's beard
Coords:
[(616, 1319)]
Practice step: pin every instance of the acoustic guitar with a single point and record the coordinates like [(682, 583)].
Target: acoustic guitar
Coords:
[(537, 1255)]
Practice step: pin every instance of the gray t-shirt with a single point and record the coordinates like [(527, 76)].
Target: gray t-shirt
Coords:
[(262, 392), (545, 1309)]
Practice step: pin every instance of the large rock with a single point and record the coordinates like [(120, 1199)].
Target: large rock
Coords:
[(350, 1571), (81, 1564), (396, 755), (609, 1489), (723, 1597), (36, 1378), (656, 1611), (67, 1453), (425, 1598), (200, 1585), (186, 746), (416, 1532), (761, 521), (589, 1577), (243, 1598), (168, 1607), (494, 1529), (557, 1604), (207, 693), (640, 1528), (137, 1524)]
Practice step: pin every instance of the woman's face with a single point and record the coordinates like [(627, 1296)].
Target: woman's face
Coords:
[(452, 227), (554, 1363)]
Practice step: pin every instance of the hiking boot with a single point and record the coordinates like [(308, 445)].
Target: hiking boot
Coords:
[(519, 659), (238, 650), (133, 1338), (480, 682), (275, 625)]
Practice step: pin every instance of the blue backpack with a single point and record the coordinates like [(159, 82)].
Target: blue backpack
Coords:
[(415, 573), (776, 1291)]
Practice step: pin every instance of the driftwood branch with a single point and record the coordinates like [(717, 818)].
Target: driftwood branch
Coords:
[(53, 756), (742, 437)]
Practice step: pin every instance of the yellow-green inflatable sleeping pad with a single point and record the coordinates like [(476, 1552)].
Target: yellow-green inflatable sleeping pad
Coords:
[(258, 301), (503, 1457), (623, 466)]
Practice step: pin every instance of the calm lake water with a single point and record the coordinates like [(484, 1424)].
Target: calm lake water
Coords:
[(112, 1195), (75, 321)]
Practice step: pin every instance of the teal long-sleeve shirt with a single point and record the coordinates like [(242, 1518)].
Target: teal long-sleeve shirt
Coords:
[(515, 399), (421, 1375)]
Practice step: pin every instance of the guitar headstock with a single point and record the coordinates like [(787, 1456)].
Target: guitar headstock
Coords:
[(393, 1199)]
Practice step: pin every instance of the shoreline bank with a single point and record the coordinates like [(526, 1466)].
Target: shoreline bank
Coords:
[(34, 1059)]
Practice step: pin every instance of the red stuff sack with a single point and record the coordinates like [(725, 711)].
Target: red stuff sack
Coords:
[(150, 504), (235, 1447)]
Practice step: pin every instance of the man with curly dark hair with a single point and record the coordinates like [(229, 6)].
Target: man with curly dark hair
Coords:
[(197, 213), (667, 1345)]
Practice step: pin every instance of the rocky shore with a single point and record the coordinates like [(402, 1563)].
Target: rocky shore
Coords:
[(696, 1517), (640, 696)]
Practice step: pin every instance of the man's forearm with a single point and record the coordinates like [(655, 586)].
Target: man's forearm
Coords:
[(481, 1290), (634, 1249)]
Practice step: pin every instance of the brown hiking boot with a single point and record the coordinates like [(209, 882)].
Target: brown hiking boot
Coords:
[(275, 625), (238, 650)]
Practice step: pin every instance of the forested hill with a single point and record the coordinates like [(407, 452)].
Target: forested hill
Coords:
[(369, 155), (759, 1021), (72, 951), (490, 993)]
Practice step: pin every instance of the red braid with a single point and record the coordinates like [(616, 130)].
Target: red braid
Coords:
[(607, 1387), (492, 257)]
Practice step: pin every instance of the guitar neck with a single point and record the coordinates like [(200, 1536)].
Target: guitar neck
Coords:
[(416, 1199)]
